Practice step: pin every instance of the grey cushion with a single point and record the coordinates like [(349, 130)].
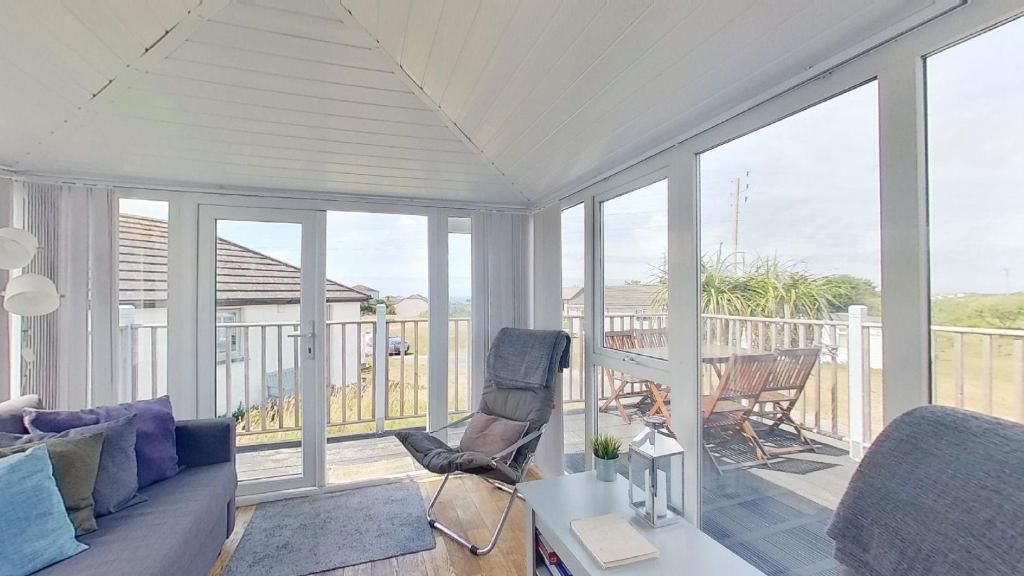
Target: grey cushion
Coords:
[(10, 413), (178, 532), (438, 457), (117, 481), (940, 492), (490, 435), (75, 462)]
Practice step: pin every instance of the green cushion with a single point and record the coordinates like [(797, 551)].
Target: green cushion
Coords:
[(75, 464)]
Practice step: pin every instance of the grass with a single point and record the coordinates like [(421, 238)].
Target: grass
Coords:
[(350, 407)]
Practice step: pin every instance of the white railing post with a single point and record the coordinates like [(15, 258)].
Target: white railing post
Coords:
[(380, 368), (855, 371)]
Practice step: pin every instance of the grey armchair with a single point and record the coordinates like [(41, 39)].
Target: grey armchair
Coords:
[(522, 366)]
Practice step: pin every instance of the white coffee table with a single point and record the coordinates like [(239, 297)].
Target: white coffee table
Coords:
[(554, 502)]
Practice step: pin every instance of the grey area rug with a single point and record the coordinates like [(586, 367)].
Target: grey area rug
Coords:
[(317, 533)]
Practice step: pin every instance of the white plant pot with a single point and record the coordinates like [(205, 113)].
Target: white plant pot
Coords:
[(606, 469)]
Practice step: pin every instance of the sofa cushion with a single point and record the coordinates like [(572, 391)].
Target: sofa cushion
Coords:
[(75, 462), (34, 528), (156, 455), (10, 413), (178, 532), (117, 480)]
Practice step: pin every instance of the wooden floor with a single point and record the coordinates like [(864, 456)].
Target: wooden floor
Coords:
[(475, 516)]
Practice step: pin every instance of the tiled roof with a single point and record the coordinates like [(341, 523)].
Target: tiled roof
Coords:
[(637, 295), (244, 276)]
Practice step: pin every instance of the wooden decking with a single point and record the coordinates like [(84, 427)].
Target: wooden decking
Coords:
[(773, 517)]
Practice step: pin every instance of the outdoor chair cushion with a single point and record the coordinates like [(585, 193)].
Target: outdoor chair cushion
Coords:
[(489, 434), (438, 457)]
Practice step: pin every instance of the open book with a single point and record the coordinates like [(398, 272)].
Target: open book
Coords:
[(612, 541)]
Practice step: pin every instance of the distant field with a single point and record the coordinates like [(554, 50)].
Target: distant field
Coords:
[(980, 311)]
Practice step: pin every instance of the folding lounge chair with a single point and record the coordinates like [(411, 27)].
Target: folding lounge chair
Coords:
[(521, 369), (726, 412), (779, 396)]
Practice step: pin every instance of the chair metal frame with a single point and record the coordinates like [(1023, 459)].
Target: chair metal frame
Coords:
[(497, 462)]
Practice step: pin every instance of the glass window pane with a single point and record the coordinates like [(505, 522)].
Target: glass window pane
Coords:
[(383, 257), (975, 178), (623, 401), (573, 382), (634, 245), (142, 298), (460, 292), (258, 363), (791, 339)]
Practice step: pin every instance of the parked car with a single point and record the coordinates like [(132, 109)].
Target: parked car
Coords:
[(397, 346)]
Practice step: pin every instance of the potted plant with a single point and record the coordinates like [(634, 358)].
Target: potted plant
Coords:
[(606, 456)]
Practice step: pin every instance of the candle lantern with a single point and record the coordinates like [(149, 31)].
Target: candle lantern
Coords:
[(655, 462)]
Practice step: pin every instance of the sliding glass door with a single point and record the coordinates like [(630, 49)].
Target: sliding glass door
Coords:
[(260, 312)]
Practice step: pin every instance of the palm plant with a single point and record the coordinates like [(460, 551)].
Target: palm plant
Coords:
[(766, 288)]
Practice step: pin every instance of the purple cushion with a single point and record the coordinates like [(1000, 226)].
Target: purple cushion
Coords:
[(117, 479), (155, 450)]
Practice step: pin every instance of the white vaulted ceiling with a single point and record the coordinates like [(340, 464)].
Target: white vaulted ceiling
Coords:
[(507, 102), (262, 93)]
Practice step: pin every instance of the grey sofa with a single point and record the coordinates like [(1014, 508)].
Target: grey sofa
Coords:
[(182, 527), (939, 493)]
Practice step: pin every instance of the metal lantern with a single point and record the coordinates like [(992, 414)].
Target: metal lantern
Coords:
[(655, 463)]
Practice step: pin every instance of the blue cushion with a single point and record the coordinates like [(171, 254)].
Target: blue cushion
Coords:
[(34, 528), (117, 481)]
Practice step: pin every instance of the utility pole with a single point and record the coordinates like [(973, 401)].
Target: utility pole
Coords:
[(740, 188)]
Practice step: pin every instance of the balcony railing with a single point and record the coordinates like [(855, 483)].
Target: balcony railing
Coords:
[(257, 380), (981, 369), (977, 368)]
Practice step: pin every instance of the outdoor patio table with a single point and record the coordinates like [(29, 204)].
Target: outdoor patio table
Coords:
[(714, 355)]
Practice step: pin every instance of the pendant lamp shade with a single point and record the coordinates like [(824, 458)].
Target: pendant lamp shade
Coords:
[(17, 247), (31, 295)]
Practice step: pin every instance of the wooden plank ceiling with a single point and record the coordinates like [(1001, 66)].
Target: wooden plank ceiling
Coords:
[(507, 102)]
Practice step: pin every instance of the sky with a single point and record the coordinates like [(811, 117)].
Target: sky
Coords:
[(811, 184), (810, 199), (383, 251)]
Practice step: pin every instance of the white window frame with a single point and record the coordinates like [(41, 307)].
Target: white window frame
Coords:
[(644, 174), (898, 66)]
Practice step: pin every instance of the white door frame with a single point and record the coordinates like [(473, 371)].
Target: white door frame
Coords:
[(312, 317)]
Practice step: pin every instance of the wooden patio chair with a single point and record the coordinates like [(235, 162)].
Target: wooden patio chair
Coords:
[(783, 389), (623, 386), (726, 412), (657, 394)]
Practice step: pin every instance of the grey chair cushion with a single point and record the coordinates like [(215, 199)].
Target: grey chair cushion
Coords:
[(10, 413), (438, 457), (940, 492), (490, 435)]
